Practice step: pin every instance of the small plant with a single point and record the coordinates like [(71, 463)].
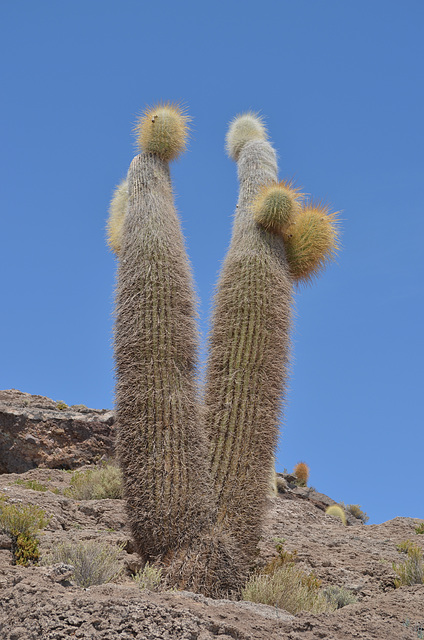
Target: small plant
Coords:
[(339, 596), (98, 483), (286, 586), (405, 546), (61, 406), (301, 471), (289, 588), (93, 563), (35, 485), (356, 511), (22, 523), (149, 577), (420, 528), (337, 511), (283, 558), (412, 570)]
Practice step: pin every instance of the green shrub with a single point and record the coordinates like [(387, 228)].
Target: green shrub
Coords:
[(339, 596), (22, 523), (149, 577), (420, 528), (61, 406), (93, 562), (412, 570), (98, 483), (356, 511)]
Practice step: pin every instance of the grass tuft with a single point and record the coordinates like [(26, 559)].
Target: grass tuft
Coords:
[(339, 596), (92, 562), (99, 483), (411, 571), (149, 577)]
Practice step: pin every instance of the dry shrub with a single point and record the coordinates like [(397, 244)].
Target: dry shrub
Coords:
[(339, 596), (96, 484), (149, 577), (288, 588), (92, 562), (356, 511), (282, 584), (412, 570)]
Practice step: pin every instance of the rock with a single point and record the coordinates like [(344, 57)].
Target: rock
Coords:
[(38, 432)]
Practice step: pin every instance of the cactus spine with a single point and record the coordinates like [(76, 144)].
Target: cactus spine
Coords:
[(248, 354)]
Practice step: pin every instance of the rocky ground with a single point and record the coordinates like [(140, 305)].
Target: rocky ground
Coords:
[(43, 601)]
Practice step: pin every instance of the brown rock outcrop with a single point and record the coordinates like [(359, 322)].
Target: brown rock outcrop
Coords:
[(38, 432)]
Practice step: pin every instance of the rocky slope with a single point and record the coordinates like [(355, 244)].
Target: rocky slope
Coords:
[(43, 601)]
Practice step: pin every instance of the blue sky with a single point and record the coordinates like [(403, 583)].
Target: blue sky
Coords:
[(340, 85)]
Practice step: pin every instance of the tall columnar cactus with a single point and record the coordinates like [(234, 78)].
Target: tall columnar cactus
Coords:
[(200, 515), (161, 445), (249, 345)]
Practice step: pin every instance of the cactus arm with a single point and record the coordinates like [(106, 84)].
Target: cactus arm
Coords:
[(161, 445), (248, 358)]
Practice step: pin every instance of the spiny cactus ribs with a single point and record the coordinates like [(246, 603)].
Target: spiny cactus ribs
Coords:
[(196, 471)]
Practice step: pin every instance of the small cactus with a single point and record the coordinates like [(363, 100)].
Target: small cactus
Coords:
[(311, 242), (335, 510), (301, 471), (276, 206), (163, 130), (117, 210)]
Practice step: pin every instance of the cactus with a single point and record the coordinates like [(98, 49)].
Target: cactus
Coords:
[(199, 516), (276, 205), (301, 471), (336, 511), (248, 347), (117, 210), (162, 444), (311, 241)]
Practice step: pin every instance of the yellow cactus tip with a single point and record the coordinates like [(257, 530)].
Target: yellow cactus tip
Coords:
[(335, 510), (311, 241), (276, 206), (163, 130), (117, 210), (244, 128)]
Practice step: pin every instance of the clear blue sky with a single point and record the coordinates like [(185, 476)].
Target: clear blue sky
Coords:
[(340, 84)]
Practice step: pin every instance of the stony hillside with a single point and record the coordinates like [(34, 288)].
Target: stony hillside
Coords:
[(44, 601)]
